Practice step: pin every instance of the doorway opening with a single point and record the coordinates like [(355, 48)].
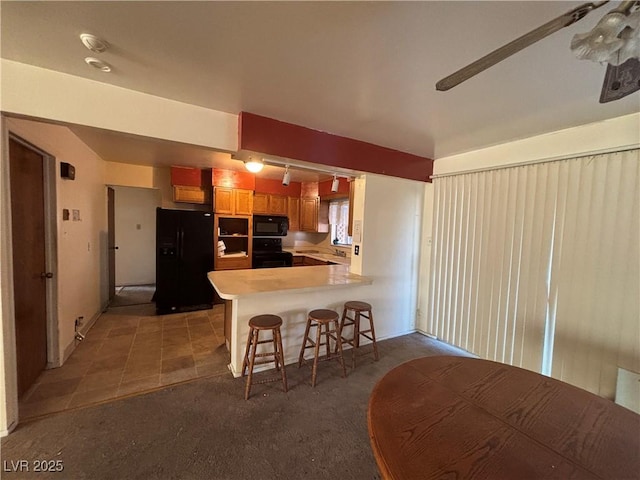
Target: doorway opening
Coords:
[(132, 230)]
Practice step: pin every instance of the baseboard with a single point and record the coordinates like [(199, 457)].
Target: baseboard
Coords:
[(11, 428), (83, 330)]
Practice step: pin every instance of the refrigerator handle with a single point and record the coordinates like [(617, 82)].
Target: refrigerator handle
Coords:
[(181, 244)]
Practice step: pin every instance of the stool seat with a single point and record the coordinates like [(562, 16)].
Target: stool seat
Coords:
[(358, 306), (323, 315), (265, 322)]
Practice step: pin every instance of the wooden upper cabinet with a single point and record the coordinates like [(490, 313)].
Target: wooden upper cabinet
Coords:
[(261, 203), (223, 200), (244, 202), (309, 214), (269, 204), (277, 204), (233, 201), (293, 212)]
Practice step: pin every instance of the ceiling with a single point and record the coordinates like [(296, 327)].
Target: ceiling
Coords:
[(364, 70)]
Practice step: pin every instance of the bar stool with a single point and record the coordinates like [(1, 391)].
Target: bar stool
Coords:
[(361, 310), (256, 325), (329, 320)]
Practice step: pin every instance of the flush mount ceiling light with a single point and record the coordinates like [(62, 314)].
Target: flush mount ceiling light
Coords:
[(253, 165), (335, 184), (93, 43), (99, 64)]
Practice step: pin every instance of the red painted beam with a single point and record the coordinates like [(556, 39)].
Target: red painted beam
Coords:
[(273, 137)]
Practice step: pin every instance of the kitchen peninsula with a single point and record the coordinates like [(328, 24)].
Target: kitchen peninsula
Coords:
[(287, 292)]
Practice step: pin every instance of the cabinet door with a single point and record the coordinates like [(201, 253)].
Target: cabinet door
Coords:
[(309, 214), (261, 203), (223, 200), (293, 212), (244, 202), (277, 204)]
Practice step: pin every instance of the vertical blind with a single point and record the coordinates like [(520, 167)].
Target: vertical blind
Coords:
[(538, 266)]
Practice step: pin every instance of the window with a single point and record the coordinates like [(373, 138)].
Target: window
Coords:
[(339, 222)]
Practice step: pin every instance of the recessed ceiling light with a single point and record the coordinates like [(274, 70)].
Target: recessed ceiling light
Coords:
[(99, 64), (93, 43)]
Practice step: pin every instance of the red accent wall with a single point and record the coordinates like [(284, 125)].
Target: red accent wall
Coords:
[(233, 179), (309, 189), (273, 137), (268, 185), (192, 177)]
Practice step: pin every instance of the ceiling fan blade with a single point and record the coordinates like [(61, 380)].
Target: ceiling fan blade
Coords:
[(518, 44), (621, 80)]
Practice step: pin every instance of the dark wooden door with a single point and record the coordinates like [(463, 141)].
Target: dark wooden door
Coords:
[(111, 240), (29, 263)]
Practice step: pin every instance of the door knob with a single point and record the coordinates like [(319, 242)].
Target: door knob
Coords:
[(46, 275)]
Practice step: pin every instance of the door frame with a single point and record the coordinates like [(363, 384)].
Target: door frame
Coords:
[(51, 251)]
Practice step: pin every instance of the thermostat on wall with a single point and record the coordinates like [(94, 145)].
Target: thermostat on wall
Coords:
[(67, 171)]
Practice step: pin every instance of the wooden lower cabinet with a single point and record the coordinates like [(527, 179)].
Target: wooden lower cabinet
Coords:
[(308, 261)]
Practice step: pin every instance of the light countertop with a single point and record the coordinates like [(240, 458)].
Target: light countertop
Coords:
[(318, 255), (231, 284)]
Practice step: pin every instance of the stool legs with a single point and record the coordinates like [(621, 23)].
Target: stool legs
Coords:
[(330, 330), (281, 359), (354, 341), (314, 370), (251, 353), (253, 335)]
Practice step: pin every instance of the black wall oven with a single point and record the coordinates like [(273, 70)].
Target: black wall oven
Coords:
[(270, 226)]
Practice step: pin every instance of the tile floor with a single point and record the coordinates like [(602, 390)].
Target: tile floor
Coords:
[(130, 350)]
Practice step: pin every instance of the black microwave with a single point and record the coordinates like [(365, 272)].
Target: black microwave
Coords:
[(270, 226)]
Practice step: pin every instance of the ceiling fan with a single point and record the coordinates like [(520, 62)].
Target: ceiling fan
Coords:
[(614, 41)]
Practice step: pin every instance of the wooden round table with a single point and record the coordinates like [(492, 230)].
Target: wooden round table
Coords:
[(456, 417)]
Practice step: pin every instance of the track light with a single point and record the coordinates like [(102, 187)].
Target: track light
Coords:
[(335, 184), (286, 178), (254, 166)]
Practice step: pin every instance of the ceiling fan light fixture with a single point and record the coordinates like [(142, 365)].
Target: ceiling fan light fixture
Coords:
[(253, 165)]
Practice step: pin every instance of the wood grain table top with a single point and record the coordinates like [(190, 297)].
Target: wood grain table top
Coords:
[(455, 417)]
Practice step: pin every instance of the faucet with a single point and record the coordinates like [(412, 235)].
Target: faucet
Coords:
[(340, 253)]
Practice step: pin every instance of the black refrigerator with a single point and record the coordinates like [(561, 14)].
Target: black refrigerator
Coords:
[(184, 256)]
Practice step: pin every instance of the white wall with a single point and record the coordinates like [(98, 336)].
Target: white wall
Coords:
[(391, 213), (42, 93), (82, 274), (425, 258), (609, 135), (135, 235)]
